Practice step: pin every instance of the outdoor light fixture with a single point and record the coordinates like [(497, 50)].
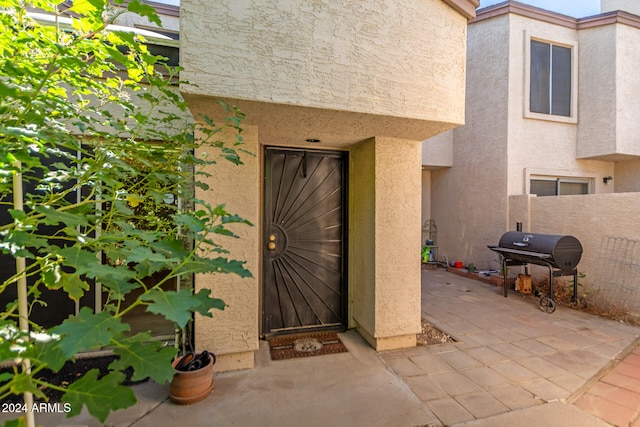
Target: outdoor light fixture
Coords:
[(312, 140), (606, 179)]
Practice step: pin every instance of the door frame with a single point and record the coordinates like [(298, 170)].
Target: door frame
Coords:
[(344, 306)]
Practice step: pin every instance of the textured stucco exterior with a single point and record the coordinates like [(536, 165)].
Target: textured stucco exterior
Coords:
[(632, 6), (232, 333), (608, 67), (397, 269), (502, 146), (468, 200), (590, 219), (362, 253), (627, 176), (370, 78), (597, 130), (437, 151), (386, 300), (354, 66)]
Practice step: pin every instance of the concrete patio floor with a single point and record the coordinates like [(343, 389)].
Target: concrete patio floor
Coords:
[(512, 360), (512, 364)]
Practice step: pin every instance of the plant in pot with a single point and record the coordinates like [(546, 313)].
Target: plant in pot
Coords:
[(96, 143), (193, 377)]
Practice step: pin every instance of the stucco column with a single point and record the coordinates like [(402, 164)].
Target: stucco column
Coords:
[(232, 334), (385, 236)]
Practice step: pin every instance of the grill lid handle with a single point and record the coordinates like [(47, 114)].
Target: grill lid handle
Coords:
[(520, 244)]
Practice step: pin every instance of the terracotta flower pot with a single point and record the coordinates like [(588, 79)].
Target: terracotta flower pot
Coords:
[(191, 386)]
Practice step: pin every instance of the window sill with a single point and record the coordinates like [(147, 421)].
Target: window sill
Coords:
[(550, 117)]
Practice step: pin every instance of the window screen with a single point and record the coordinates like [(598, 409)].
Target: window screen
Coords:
[(550, 79), (558, 187), (544, 187), (568, 188)]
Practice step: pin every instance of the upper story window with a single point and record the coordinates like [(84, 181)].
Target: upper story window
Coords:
[(550, 82), (551, 79)]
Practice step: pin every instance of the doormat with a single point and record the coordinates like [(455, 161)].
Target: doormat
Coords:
[(313, 344)]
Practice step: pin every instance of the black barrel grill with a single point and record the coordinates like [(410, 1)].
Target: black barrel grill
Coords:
[(561, 254)]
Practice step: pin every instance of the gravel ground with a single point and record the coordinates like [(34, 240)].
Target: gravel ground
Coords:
[(432, 335)]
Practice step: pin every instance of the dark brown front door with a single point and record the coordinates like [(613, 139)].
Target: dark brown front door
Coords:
[(304, 241)]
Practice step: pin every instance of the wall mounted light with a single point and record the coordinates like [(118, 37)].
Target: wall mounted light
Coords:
[(606, 179), (312, 140)]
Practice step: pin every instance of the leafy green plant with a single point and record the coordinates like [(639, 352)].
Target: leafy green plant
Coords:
[(96, 145)]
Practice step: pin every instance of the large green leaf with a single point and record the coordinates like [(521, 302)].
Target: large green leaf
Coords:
[(190, 222), (207, 303), (17, 239), (58, 88), (173, 248), (177, 306), (118, 288), (74, 286), (145, 254), (48, 353), (74, 256), (23, 383), (55, 217), (88, 330), (86, 263), (214, 265), (144, 10), (20, 422), (87, 7), (147, 358), (99, 395)]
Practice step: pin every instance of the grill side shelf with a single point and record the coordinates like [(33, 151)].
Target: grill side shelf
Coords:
[(502, 250)]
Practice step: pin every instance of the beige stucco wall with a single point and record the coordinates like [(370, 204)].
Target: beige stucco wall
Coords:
[(386, 299), (362, 223), (382, 61), (543, 145), (437, 151), (627, 90), (397, 267), (232, 334), (626, 177), (589, 218), (374, 78), (632, 6), (597, 97), (502, 146), (469, 202), (608, 80)]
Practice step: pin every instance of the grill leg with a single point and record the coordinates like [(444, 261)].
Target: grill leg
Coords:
[(575, 286), (546, 303), (504, 271)]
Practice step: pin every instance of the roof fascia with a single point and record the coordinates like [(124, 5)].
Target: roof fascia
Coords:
[(517, 8), (466, 8)]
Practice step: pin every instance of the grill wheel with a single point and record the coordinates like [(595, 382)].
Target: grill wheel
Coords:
[(547, 305)]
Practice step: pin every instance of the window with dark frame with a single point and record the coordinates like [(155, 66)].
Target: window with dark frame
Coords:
[(558, 187), (550, 79)]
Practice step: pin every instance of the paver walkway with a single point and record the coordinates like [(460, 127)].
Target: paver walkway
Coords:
[(510, 355), (513, 365), (615, 397)]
